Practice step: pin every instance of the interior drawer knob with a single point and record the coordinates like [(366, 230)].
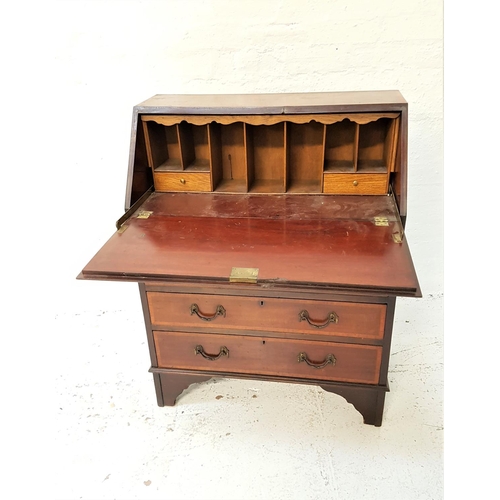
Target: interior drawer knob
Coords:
[(355, 183), (219, 311), (224, 351), (331, 318), (183, 181), (329, 360)]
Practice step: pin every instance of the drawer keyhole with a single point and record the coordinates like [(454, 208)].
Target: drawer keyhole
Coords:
[(261, 302)]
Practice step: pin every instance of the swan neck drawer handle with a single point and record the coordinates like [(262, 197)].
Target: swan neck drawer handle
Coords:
[(332, 318), (219, 311), (329, 360), (224, 351)]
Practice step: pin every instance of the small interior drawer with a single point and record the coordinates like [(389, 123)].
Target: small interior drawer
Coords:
[(222, 313), (184, 181), (356, 183), (268, 356)]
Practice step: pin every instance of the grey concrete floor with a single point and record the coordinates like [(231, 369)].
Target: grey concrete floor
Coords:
[(238, 439)]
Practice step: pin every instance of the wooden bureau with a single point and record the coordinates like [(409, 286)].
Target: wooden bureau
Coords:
[(266, 233)]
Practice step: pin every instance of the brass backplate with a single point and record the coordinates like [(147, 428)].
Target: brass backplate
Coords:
[(244, 275)]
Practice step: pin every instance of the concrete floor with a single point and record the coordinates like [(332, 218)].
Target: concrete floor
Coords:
[(236, 439)]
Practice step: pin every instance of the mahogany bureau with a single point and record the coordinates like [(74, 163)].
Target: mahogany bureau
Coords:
[(266, 233)]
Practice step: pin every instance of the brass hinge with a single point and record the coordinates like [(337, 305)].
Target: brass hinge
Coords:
[(143, 214), (398, 235), (381, 221), (244, 275)]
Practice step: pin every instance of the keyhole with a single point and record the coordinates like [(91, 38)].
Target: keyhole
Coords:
[(263, 341), (261, 302)]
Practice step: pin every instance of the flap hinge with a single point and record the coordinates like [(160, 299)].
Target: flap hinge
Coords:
[(381, 221), (398, 234), (143, 214), (244, 275)]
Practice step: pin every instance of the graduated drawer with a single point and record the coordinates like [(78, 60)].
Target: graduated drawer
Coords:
[(355, 183), (226, 312), (185, 181), (268, 356)]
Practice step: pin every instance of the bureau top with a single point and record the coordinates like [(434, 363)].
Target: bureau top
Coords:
[(317, 102), (308, 188)]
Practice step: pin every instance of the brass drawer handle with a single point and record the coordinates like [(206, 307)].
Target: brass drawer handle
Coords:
[(219, 311), (329, 360), (224, 351), (332, 318)]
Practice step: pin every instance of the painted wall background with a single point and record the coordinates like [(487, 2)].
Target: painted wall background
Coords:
[(73, 70)]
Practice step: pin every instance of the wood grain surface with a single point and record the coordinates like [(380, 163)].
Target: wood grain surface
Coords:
[(348, 252), (250, 313), (269, 356), (315, 102)]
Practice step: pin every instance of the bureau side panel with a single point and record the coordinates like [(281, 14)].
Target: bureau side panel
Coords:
[(151, 343)]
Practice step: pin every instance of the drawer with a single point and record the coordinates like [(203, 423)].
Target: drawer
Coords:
[(185, 181), (355, 183), (226, 312), (268, 356)]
